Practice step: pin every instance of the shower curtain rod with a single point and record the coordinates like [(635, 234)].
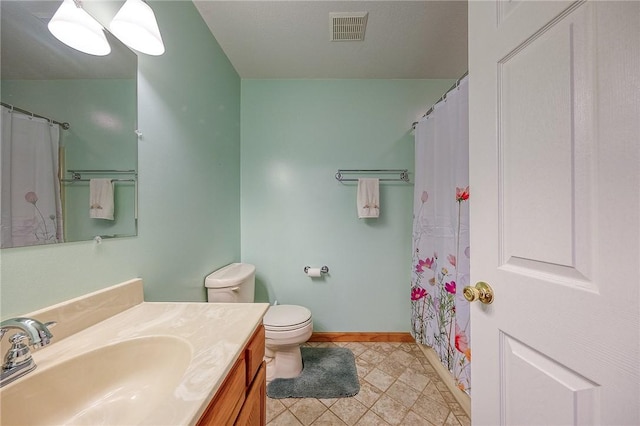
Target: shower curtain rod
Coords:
[(64, 125), (442, 98)]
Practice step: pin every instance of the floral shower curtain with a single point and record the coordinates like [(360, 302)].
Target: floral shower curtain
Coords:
[(440, 313), (30, 189)]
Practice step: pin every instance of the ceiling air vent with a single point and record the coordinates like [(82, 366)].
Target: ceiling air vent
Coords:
[(348, 26)]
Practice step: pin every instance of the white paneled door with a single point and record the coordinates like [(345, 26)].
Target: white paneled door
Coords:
[(555, 201)]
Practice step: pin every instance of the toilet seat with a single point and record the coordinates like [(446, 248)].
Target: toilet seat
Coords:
[(286, 318)]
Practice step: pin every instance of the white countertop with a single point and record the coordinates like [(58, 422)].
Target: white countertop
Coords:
[(216, 332)]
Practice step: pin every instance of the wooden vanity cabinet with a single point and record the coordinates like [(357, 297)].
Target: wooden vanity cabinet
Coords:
[(242, 398)]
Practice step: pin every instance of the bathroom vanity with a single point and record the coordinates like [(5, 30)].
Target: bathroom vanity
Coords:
[(242, 397), (115, 359)]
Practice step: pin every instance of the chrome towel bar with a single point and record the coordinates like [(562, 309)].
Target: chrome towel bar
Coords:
[(403, 174)]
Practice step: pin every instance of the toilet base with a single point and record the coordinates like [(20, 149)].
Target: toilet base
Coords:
[(283, 363)]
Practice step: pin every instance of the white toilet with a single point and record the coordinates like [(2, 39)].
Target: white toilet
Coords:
[(286, 326)]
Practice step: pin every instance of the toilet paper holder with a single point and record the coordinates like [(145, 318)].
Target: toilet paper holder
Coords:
[(324, 269)]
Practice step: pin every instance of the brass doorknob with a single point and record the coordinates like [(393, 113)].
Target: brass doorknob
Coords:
[(482, 291)]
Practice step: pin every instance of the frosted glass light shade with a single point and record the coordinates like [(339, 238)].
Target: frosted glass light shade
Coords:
[(136, 26), (73, 26)]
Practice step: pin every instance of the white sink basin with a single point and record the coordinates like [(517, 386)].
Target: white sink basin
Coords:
[(117, 384)]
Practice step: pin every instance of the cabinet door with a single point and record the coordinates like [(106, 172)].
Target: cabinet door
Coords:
[(253, 412), (225, 406), (254, 353)]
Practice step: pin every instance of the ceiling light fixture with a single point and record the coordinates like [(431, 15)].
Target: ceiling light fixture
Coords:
[(136, 26), (73, 26)]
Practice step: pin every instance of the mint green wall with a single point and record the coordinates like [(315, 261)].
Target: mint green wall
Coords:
[(295, 135), (102, 114), (189, 182)]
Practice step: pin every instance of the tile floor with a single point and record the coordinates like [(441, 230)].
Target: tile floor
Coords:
[(398, 386)]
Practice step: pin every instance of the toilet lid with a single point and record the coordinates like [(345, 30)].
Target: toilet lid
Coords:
[(282, 317)]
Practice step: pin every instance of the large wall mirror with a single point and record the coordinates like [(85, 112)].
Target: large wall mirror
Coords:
[(54, 180)]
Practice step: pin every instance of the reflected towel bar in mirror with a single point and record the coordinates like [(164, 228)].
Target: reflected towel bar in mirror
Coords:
[(87, 180), (76, 175)]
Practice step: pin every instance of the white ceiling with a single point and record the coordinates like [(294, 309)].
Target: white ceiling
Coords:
[(290, 39)]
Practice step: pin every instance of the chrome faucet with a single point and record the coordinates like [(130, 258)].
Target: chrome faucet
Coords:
[(18, 360)]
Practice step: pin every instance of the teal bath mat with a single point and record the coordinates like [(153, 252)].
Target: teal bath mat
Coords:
[(326, 373)]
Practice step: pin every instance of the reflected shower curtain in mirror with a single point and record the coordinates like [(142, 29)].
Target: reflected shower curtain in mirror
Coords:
[(31, 210), (440, 268)]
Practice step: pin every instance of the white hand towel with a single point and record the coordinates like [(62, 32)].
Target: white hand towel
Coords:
[(101, 205), (368, 198)]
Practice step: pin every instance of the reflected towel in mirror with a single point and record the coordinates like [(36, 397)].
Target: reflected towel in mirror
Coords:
[(101, 204)]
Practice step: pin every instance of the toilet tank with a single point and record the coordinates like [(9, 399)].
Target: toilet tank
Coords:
[(234, 283)]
